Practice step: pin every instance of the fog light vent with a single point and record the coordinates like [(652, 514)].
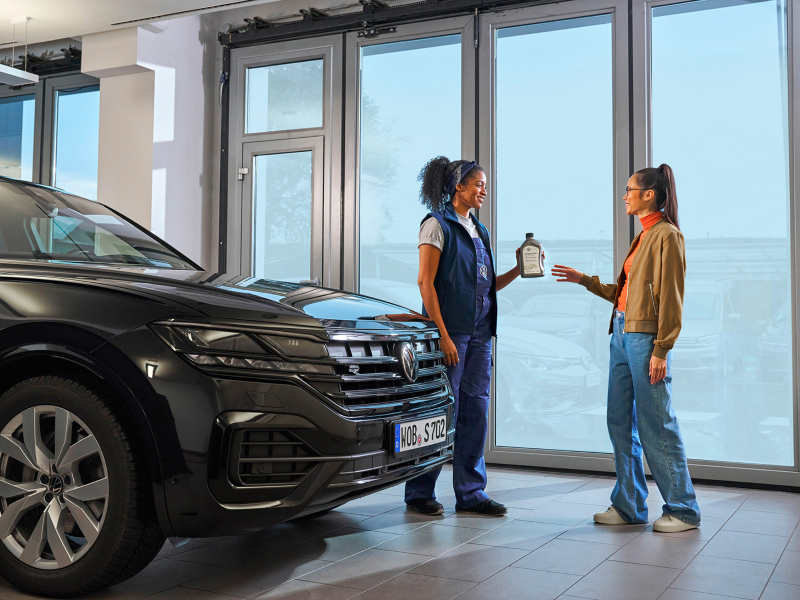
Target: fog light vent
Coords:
[(264, 457)]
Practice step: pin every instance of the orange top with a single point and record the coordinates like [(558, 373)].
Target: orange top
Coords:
[(647, 222)]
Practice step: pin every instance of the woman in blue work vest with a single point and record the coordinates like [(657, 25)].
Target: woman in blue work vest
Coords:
[(459, 291)]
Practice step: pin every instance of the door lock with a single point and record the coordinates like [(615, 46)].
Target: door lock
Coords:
[(243, 171)]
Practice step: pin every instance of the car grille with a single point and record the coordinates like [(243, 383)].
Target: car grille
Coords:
[(269, 456), (366, 373)]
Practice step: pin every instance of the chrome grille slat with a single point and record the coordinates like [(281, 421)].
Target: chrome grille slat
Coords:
[(430, 355), (411, 387), (369, 376)]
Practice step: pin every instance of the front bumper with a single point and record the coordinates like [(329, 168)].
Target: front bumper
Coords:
[(308, 452)]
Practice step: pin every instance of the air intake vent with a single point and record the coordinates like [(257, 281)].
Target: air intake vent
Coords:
[(269, 457)]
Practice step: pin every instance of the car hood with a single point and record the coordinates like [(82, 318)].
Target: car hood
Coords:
[(697, 328), (229, 297), (546, 323), (522, 341)]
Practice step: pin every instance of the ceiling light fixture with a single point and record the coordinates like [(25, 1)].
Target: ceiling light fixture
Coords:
[(9, 75)]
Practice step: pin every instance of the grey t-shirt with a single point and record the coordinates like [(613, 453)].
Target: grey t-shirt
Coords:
[(430, 232)]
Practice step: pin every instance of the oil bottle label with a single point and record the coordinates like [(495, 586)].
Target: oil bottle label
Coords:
[(530, 260)]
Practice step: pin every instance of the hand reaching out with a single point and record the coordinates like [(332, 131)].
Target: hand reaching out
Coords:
[(566, 273)]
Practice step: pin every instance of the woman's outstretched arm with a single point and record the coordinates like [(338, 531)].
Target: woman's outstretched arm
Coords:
[(605, 291), (428, 265)]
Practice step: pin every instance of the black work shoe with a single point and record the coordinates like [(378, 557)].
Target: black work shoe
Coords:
[(487, 507), (426, 507)]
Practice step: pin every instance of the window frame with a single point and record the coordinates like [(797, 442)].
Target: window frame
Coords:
[(490, 24), (642, 157), (238, 231), (38, 92), (349, 207), (53, 85)]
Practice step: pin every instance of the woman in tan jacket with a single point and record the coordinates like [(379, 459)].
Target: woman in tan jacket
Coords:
[(648, 304)]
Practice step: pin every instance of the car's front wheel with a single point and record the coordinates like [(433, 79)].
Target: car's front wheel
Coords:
[(76, 507)]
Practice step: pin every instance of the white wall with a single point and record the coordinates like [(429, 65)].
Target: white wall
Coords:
[(160, 122)]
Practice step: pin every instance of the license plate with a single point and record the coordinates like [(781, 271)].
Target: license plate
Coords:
[(412, 435), (592, 379)]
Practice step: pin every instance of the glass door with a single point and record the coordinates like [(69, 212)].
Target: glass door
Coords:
[(717, 112), (283, 202), (408, 107), (559, 167), (281, 219)]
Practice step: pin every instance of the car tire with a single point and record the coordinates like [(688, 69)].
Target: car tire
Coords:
[(90, 522)]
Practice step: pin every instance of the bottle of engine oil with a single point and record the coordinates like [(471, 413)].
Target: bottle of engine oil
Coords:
[(531, 262)]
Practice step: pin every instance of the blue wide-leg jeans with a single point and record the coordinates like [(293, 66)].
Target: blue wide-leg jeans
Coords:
[(640, 417), (470, 380)]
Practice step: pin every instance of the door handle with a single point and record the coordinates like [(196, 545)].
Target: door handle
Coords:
[(314, 281)]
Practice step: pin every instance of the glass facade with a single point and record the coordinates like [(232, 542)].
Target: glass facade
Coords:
[(76, 141), (720, 119), (16, 136), (554, 174), (282, 202), (563, 106), (281, 97), (402, 126)]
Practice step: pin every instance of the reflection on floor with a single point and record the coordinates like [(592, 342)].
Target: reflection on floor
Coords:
[(545, 548)]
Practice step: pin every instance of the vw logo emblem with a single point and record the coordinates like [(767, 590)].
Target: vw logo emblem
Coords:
[(56, 485), (407, 357)]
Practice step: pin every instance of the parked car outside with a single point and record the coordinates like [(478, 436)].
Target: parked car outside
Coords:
[(579, 318), (710, 344), (142, 397), (774, 352)]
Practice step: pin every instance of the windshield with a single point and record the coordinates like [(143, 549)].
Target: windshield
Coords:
[(555, 306), (45, 225), (701, 306)]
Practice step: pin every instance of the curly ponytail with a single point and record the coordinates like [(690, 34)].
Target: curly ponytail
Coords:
[(662, 182), (434, 176)]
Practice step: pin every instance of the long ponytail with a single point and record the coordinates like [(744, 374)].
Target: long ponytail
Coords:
[(662, 181)]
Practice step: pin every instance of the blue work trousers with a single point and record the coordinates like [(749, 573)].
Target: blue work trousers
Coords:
[(640, 416), (470, 380)]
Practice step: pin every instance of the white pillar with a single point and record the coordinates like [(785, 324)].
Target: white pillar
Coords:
[(127, 88)]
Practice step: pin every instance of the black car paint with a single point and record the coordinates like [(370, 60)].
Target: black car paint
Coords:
[(94, 322)]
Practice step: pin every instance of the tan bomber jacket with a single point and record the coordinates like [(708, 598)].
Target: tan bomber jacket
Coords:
[(655, 286)]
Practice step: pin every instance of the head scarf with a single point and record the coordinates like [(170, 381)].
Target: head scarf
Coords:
[(459, 174)]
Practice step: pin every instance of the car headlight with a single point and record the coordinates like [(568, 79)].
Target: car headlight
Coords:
[(571, 331), (543, 363), (208, 347), (708, 340)]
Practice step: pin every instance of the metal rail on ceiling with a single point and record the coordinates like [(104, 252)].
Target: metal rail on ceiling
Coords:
[(372, 20)]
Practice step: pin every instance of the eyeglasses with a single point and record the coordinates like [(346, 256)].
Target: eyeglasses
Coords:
[(629, 190)]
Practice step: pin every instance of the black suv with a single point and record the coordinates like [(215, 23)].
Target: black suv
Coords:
[(142, 397)]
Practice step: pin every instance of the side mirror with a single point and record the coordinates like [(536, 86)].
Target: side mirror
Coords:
[(734, 317)]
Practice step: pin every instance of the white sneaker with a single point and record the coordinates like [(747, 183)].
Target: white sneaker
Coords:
[(669, 524), (609, 517)]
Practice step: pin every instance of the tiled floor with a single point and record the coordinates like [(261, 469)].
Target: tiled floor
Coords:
[(545, 548)]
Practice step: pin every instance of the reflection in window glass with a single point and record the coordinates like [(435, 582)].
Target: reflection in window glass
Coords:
[(77, 135), (719, 106), (403, 126), (16, 137), (283, 97), (554, 149), (282, 200)]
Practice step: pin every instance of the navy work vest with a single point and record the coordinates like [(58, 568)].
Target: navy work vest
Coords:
[(457, 277)]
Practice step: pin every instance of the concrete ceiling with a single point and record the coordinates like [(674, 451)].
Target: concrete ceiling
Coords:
[(60, 19)]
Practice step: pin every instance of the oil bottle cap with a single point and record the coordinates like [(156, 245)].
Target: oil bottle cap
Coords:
[(528, 235)]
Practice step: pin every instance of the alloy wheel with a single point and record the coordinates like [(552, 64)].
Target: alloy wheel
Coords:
[(53, 487)]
